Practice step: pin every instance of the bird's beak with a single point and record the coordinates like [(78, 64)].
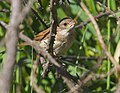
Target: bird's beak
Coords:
[(72, 23)]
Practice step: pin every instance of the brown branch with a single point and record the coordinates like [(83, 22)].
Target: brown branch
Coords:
[(118, 88), (11, 39), (36, 14), (90, 76), (104, 47), (53, 28), (45, 54), (38, 48), (117, 56), (99, 36), (4, 10), (96, 17), (18, 88), (111, 12), (45, 66), (33, 75), (25, 11), (39, 18), (40, 3), (73, 58), (3, 25)]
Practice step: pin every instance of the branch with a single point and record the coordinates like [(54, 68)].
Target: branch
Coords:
[(96, 17), (53, 28), (11, 39), (4, 10), (33, 75), (36, 14), (73, 58), (39, 18), (45, 54), (99, 36), (88, 77), (111, 12), (38, 48), (3, 25)]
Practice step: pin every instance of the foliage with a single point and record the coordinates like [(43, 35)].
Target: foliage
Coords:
[(85, 45)]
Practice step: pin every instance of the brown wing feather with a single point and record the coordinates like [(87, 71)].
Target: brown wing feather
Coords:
[(42, 35)]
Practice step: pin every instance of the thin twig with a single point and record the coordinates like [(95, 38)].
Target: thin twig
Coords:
[(3, 25), (4, 10), (96, 17), (99, 36), (33, 75), (118, 88), (88, 77), (40, 3), (111, 12), (73, 58), (36, 14), (39, 18)]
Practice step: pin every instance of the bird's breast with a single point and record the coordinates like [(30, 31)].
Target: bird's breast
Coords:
[(62, 43)]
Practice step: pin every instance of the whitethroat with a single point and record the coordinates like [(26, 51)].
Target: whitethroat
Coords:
[(64, 38)]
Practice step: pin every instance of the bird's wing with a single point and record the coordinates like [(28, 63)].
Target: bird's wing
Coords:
[(42, 35)]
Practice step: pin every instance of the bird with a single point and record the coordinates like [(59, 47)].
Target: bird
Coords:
[(65, 36)]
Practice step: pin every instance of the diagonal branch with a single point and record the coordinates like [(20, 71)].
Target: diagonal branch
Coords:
[(99, 36), (45, 54), (96, 17), (53, 28)]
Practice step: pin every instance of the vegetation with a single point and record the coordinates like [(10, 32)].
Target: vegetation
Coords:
[(85, 63)]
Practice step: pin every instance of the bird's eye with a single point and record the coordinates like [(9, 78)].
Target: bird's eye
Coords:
[(65, 24)]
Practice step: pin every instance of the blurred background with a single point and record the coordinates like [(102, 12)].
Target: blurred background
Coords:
[(85, 57)]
